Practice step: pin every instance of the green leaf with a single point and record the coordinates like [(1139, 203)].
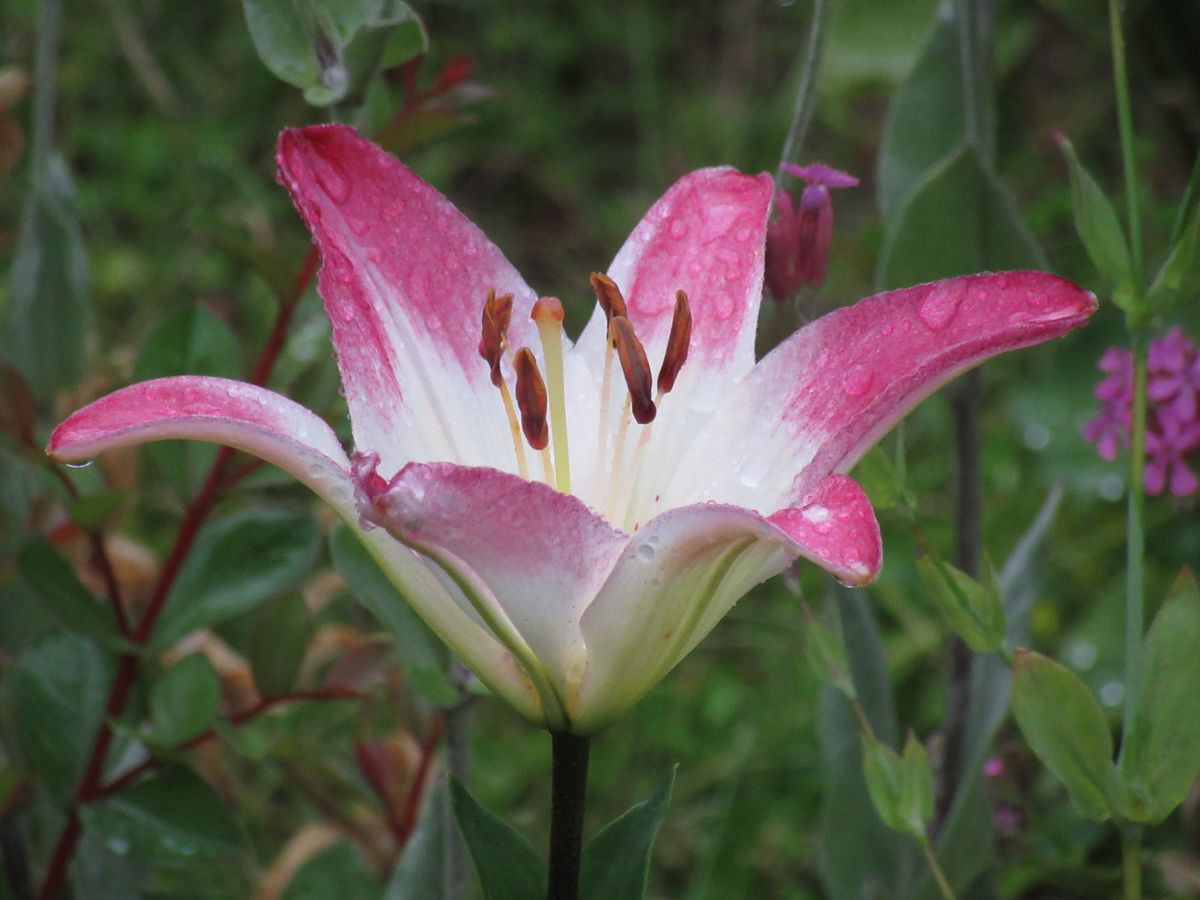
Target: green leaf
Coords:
[(883, 481), (825, 648), (901, 787), (236, 564), (972, 610), (193, 341), (336, 871), (1179, 277), (48, 314), (866, 851), (170, 818), (1099, 229), (958, 220), (57, 690), (422, 655), (1187, 205), (184, 699), (1160, 756), (60, 589), (419, 872), (326, 47), (278, 641), (616, 861), (925, 121), (507, 866), (1065, 727)]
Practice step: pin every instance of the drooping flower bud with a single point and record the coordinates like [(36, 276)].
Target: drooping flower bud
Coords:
[(798, 239)]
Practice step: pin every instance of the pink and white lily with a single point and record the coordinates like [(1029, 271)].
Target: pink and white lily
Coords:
[(572, 589)]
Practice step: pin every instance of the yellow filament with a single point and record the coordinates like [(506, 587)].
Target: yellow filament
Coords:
[(514, 426), (550, 331), (602, 429), (635, 467), (547, 465)]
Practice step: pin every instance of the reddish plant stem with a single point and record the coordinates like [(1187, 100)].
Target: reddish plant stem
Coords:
[(127, 664), (236, 720), (406, 821)]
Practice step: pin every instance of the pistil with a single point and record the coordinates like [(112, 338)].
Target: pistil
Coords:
[(548, 314)]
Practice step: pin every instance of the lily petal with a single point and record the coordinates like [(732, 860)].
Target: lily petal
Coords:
[(818, 401), (404, 279), (286, 434), (704, 236), (532, 557), (836, 528)]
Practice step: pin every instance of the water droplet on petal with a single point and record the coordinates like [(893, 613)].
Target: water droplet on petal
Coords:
[(645, 552), (938, 309), (79, 465), (677, 228), (857, 381)]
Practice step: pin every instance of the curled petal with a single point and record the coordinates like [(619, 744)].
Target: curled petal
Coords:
[(835, 527)]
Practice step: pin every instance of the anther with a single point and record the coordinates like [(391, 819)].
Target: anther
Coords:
[(677, 344), (635, 366), (497, 312), (609, 296), (531, 399)]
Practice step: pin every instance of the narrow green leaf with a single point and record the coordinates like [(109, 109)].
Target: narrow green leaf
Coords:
[(65, 595), (972, 610), (57, 690), (1160, 757), (336, 871), (419, 873), (170, 818), (507, 866), (916, 787), (1066, 729), (48, 313), (1099, 228), (901, 787), (925, 120), (278, 640), (236, 564), (825, 648), (422, 655), (958, 220), (1187, 205), (616, 861), (881, 768), (1179, 277), (184, 699)]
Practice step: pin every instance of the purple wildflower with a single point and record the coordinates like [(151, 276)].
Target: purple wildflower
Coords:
[(1172, 420), (798, 239)]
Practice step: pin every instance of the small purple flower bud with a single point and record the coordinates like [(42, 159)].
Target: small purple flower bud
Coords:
[(798, 239)]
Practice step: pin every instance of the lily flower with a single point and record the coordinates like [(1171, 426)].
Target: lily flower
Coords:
[(572, 547)]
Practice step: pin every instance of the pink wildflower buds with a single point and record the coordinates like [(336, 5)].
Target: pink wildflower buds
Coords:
[(1172, 414), (798, 240)]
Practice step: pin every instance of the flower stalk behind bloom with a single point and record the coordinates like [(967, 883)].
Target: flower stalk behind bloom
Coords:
[(571, 605)]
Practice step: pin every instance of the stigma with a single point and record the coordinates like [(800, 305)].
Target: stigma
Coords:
[(535, 405)]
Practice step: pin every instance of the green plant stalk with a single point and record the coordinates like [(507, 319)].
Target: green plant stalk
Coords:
[(1131, 862), (806, 92), (1135, 548), (1125, 128), (567, 796), (938, 875)]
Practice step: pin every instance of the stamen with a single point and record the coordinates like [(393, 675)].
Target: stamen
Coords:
[(548, 314), (609, 296), (531, 399), (497, 313), (678, 343), (635, 366)]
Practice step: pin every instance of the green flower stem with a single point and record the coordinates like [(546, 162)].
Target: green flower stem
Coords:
[(1131, 862), (567, 796), (938, 875), (806, 93), (1125, 127), (1135, 588)]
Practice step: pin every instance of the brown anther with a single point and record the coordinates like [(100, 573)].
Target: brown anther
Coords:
[(497, 312), (531, 399), (547, 309), (677, 343), (635, 366), (609, 296)]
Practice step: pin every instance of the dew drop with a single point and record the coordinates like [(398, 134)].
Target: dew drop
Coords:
[(742, 235), (645, 552), (941, 306), (857, 381), (677, 228), (79, 465)]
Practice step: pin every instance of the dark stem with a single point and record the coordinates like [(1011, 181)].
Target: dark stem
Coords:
[(967, 549), (567, 796), (456, 869)]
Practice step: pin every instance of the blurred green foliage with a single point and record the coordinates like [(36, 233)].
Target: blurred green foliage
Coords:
[(575, 116)]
